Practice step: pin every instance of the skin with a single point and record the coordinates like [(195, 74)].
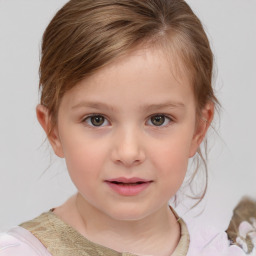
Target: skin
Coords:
[(130, 94)]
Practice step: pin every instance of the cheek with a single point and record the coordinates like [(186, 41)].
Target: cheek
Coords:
[(171, 157), (171, 166), (84, 159), (84, 169), (172, 162)]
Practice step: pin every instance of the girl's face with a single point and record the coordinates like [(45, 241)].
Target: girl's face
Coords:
[(127, 133)]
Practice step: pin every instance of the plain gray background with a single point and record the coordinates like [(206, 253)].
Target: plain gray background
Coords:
[(33, 180)]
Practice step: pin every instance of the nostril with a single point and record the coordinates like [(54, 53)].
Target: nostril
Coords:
[(128, 151)]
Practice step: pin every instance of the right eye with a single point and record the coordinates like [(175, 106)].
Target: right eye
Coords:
[(96, 121)]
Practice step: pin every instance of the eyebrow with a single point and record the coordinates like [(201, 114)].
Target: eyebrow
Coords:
[(95, 105), (163, 105), (150, 107)]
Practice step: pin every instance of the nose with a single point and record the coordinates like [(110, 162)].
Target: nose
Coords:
[(128, 148)]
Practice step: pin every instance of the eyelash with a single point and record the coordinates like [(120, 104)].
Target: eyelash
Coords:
[(166, 118), (88, 120)]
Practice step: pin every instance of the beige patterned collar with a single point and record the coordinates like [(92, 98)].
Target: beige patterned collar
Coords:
[(60, 239)]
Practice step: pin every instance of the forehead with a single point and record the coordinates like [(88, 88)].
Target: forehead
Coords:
[(143, 74)]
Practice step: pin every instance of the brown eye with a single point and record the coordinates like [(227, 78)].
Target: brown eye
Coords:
[(159, 120), (96, 121)]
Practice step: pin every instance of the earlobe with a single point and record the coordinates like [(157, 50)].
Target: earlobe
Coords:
[(44, 119), (203, 124)]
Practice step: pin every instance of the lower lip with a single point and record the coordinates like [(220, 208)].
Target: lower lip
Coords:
[(128, 190)]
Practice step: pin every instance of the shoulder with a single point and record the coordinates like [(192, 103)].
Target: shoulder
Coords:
[(210, 241), (20, 242)]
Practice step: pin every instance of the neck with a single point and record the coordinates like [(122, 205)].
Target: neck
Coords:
[(144, 236)]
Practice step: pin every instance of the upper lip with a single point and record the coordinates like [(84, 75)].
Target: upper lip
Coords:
[(128, 180)]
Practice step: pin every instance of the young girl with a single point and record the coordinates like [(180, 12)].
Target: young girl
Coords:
[(126, 99)]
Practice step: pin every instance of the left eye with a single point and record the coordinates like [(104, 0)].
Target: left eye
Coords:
[(96, 121), (159, 120)]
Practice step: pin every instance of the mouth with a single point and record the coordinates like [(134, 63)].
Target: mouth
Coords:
[(128, 187), (128, 184), (129, 181)]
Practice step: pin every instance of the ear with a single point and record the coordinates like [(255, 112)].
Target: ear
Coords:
[(202, 126), (44, 119)]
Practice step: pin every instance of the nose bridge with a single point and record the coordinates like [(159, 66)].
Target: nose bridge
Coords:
[(129, 148)]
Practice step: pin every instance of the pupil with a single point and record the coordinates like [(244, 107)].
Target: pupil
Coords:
[(158, 120), (97, 120)]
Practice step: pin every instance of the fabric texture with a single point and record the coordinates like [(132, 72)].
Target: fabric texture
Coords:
[(62, 240), (49, 231), (20, 242), (242, 227), (209, 241)]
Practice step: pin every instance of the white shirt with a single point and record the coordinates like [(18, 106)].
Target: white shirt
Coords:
[(20, 242), (207, 242)]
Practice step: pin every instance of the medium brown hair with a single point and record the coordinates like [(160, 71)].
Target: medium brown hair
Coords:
[(86, 35)]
